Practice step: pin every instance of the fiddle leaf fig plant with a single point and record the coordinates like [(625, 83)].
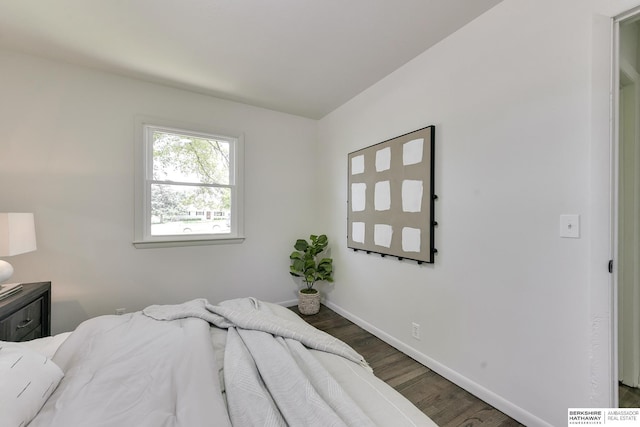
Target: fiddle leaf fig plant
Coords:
[(307, 263)]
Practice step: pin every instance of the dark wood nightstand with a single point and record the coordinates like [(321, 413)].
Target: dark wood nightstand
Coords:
[(27, 314)]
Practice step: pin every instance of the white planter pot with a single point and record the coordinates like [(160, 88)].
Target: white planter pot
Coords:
[(308, 303)]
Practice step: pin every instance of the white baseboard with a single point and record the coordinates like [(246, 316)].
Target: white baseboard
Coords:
[(472, 387)]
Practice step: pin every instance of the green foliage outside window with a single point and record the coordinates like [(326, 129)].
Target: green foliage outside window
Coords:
[(190, 175)]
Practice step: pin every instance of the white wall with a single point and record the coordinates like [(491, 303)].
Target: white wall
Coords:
[(66, 154), (507, 308)]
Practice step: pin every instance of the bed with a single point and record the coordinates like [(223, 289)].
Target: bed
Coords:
[(242, 362)]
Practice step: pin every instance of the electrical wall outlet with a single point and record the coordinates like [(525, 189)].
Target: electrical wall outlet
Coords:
[(120, 311), (415, 330)]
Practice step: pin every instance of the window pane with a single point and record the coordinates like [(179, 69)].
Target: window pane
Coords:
[(185, 158), (184, 210)]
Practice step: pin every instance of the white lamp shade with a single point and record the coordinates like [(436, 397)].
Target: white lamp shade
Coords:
[(17, 234)]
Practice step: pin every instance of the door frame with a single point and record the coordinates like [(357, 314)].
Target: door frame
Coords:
[(615, 197)]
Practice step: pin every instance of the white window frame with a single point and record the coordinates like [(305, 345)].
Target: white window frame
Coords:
[(144, 127)]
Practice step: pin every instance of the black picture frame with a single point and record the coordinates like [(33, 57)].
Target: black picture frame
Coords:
[(391, 197)]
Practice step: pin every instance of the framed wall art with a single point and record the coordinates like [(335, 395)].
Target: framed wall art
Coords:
[(391, 197)]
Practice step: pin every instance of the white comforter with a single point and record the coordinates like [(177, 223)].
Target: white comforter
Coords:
[(134, 370), (271, 378)]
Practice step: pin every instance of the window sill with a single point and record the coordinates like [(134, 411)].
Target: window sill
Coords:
[(149, 244)]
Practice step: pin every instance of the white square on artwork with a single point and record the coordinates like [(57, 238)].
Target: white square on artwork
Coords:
[(358, 196), (357, 232), (382, 196), (410, 239), (412, 151), (412, 195), (357, 165), (382, 235), (383, 159)]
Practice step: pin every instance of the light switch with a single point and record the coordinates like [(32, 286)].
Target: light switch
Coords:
[(570, 226)]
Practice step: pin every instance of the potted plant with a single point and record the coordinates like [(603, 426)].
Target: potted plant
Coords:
[(307, 263)]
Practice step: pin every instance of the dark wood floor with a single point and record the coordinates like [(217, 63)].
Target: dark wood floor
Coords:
[(628, 397), (444, 402)]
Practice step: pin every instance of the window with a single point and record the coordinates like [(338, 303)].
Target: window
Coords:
[(188, 185)]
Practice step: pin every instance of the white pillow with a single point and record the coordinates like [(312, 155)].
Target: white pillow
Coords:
[(28, 379), (44, 345)]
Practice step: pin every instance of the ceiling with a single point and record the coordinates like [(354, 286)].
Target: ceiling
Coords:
[(304, 57)]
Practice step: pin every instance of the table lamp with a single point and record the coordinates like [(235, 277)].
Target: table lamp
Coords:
[(17, 236)]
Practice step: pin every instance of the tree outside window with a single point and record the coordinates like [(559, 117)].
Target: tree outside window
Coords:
[(190, 184)]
